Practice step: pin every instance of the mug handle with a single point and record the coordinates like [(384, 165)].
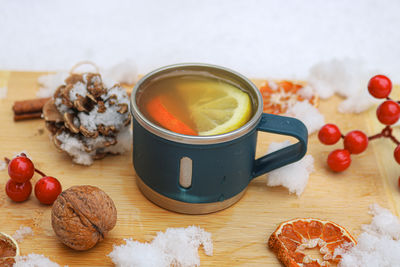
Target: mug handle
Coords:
[(285, 126)]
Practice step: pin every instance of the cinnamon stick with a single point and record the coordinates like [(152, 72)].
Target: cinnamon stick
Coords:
[(28, 109), (27, 116)]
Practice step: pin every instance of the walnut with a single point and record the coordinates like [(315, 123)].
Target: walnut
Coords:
[(82, 215)]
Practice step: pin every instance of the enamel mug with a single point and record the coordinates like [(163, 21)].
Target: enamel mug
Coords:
[(204, 174)]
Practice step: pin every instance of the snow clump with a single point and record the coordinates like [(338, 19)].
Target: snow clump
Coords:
[(346, 77), (378, 245), (174, 247), (293, 176)]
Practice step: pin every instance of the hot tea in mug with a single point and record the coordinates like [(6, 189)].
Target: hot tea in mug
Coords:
[(195, 135), (195, 104)]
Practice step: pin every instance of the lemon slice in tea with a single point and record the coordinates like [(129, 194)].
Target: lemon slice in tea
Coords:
[(8, 250), (216, 107)]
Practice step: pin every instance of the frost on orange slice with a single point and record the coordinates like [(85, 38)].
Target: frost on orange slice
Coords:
[(8, 250), (279, 96), (292, 238)]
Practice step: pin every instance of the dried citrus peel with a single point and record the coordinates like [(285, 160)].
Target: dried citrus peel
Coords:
[(291, 239), (279, 96), (8, 250)]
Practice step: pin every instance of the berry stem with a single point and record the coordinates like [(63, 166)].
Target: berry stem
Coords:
[(387, 133), (388, 98), (7, 160), (40, 172)]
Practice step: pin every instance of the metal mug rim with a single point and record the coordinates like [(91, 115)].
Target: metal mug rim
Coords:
[(189, 139)]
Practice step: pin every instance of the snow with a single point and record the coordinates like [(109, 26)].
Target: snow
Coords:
[(307, 92), (383, 223), (123, 72), (136, 254), (258, 38), (78, 89), (23, 231), (293, 176), (3, 165), (50, 82), (174, 247), (3, 92), (111, 116), (379, 243), (348, 78), (34, 260), (308, 114), (76, 148), (358, 102)]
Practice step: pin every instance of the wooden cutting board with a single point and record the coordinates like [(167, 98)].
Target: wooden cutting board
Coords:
[(239, 233)]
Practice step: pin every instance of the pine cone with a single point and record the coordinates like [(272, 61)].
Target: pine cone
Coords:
[(88, 120)]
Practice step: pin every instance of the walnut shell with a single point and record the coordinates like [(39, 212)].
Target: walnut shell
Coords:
[(82, 215)]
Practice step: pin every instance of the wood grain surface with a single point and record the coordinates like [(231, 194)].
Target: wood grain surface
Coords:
[(239, 233)]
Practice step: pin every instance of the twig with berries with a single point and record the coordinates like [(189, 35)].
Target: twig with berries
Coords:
[(19, 187), (356, 142)]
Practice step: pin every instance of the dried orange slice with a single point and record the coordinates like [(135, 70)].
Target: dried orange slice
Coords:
[(279, 96), (291, 239), (8, 250)]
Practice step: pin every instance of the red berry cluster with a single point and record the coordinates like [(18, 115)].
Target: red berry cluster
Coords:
[(19, 187), (355, 142)]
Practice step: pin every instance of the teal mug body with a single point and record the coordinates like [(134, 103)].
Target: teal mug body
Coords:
[(203, 174)]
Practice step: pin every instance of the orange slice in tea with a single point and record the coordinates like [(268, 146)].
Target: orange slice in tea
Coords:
[(162, 116), (279, 96), (216, 107), (8, 250), (291, 240)]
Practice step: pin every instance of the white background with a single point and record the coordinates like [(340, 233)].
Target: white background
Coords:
[(260, 38)]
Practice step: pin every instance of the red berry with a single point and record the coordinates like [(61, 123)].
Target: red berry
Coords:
[(339, 160), (18, 191), (397, 154), (355, 142), (21, 169), (388, 112), (47, 190), (329, 134), (380, 86)]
